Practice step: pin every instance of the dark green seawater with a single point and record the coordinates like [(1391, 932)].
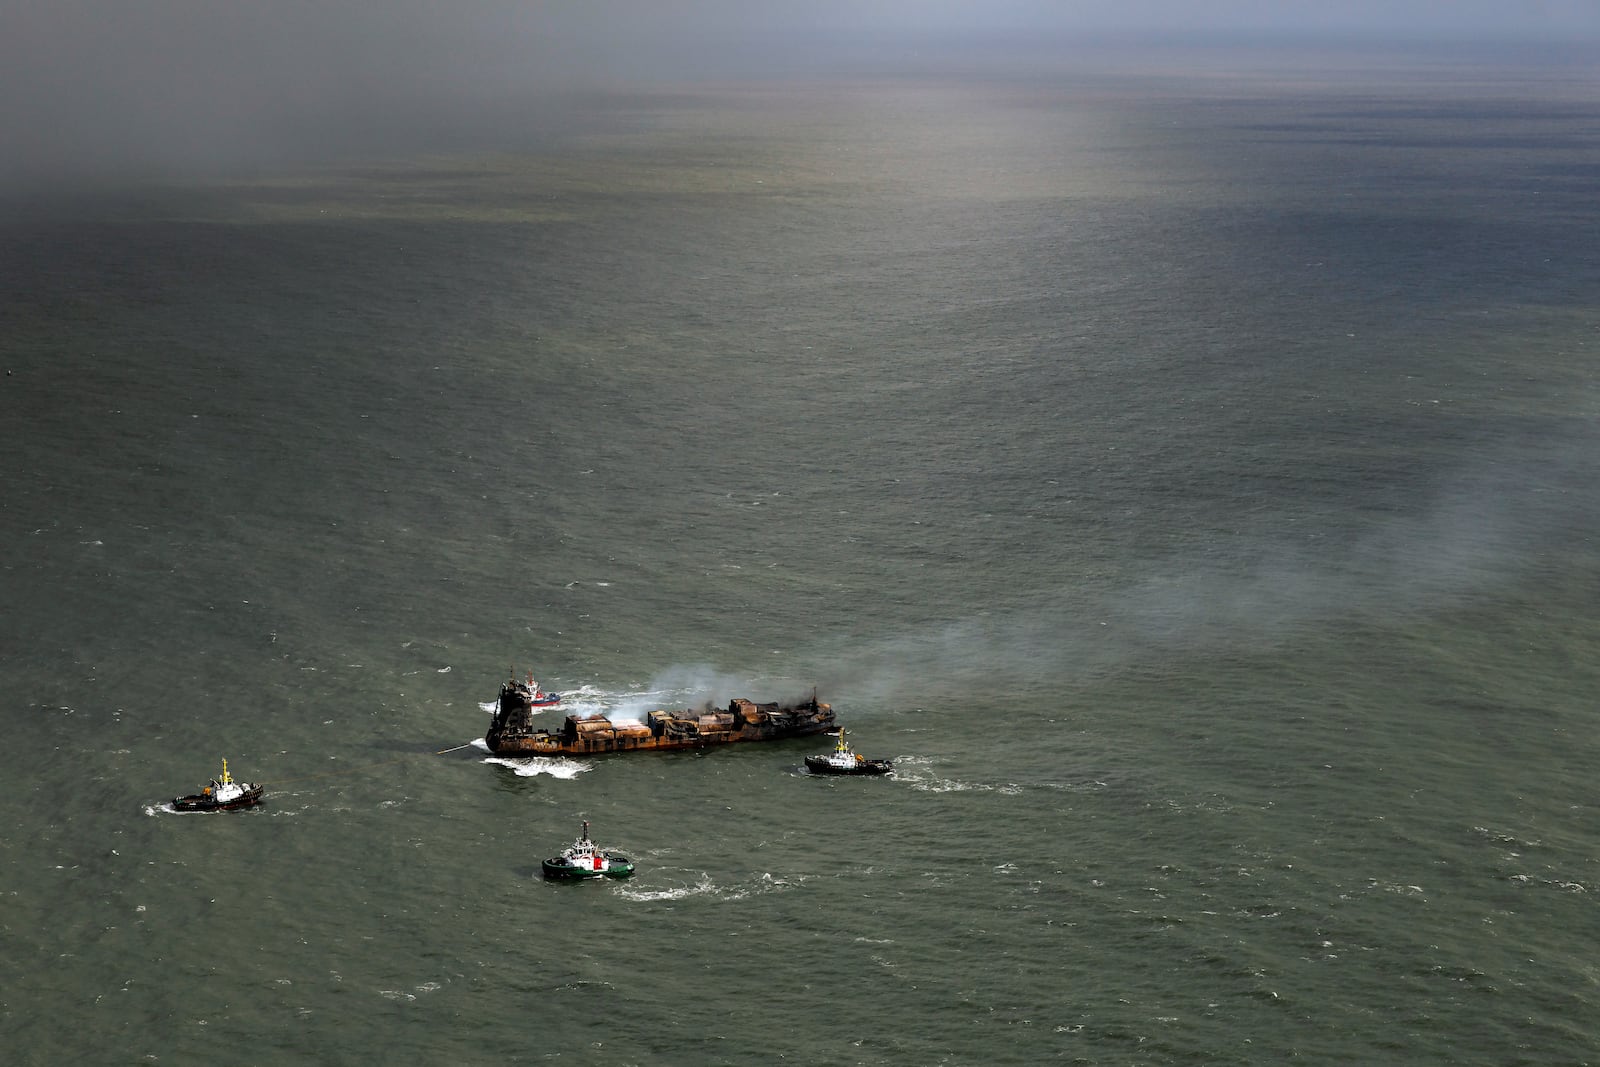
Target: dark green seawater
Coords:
[(1186, 476)]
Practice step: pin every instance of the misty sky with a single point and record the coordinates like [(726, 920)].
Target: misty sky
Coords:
[(91, 85)]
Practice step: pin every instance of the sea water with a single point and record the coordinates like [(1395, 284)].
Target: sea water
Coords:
[(1184, 474)]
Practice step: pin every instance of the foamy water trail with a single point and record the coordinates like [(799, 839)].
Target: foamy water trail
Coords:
[(533, 766), (706, 887)]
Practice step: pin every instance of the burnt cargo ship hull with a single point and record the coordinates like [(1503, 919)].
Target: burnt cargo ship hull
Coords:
[(512, 732)]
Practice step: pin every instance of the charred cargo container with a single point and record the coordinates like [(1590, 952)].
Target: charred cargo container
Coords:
[(512, 732)]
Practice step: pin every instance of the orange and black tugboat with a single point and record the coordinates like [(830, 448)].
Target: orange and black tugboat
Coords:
[(512, 732)]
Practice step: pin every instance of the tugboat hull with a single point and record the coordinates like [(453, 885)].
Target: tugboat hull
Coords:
[(203, 802), (557, 871), (866, 767)]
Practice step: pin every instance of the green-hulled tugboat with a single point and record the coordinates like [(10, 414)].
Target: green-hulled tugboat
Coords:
[(584, 859), (223, 794)]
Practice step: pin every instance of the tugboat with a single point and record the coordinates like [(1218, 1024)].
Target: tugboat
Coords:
[(844, 760), (584, 859), (223, 794), (526, 694)]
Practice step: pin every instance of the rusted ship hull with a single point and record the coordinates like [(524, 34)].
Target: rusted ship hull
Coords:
[(512, 732)]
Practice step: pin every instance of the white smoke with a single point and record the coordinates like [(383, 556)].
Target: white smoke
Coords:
[(685, 686), (1484, 533)]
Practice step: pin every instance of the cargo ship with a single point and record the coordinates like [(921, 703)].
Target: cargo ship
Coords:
[(512, 732)]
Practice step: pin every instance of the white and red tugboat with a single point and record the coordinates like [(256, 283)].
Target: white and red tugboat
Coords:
[(584, 859)]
